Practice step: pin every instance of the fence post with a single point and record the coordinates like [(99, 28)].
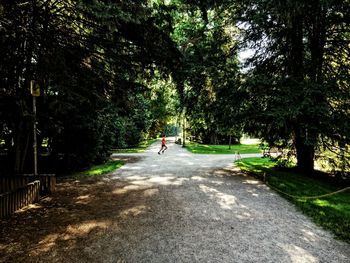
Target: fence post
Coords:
[(18, 192)]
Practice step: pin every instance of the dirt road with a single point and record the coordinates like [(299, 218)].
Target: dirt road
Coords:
[(175, 207)]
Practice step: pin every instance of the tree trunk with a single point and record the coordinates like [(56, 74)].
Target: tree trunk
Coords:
[(213, 139), (297, 48), (229, 142), (21, 145), (184, 133), (18, 151), (305, 153), (317, 35), (304, 143), (25, 151)]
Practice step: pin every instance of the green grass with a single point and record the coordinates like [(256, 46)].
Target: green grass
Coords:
[(102, 168), (139, 149), (332, 212), (223, 149)]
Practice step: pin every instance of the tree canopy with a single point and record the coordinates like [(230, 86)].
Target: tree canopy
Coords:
[(93, 61), (113, 73), (298, 87)]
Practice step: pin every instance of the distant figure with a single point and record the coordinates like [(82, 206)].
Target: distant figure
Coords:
[(163, 147), (237, 156)]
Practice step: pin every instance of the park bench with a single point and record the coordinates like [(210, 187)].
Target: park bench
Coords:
[(178, 141), (272, 152)]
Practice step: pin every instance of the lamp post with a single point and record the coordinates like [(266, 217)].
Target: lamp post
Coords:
[(35, 91), (184, 128)]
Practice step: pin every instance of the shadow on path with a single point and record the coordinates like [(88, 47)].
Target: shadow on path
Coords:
[(175, 207)]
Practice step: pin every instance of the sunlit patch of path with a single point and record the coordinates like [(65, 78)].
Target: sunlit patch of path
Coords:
[(200, 208)]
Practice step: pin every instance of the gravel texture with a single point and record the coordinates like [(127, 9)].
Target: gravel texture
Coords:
[(199, 208), (176, 207)]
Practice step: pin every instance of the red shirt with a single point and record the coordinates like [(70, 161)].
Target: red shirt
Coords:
[(163, 141)]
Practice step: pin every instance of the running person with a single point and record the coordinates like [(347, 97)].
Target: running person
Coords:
[(163, 147)]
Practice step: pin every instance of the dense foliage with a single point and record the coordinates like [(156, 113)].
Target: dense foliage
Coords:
[(206, 35), (113, 73), (298, 85), (93, 61)]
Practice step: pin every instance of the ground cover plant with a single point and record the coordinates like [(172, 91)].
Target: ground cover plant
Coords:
[(223, 149), (137, 149), (331, 212), (103, 168)]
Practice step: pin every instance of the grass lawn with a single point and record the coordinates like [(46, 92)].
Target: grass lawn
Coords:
[(223, 149), (102, 168), (139, 149), (332, 212)]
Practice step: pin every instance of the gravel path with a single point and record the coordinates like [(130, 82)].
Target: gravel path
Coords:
[(199, 208), (175, 207)]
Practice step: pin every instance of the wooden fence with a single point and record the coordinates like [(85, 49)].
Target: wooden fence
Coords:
[(11, 183), (21, 190), (21, 197)]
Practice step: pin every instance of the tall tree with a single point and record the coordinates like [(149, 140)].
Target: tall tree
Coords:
[(206, 37), (292, 91), (91, 60)]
